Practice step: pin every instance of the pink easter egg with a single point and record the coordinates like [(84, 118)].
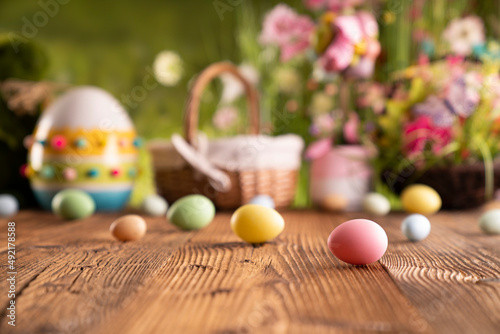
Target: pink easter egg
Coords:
[(358, 241)]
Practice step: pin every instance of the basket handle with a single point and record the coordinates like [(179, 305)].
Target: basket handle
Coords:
[(203, 79)]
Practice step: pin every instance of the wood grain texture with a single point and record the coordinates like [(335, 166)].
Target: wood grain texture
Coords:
[(74, 278)]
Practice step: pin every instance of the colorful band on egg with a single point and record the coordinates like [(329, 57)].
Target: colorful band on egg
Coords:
[(89, 173), (87, 142)]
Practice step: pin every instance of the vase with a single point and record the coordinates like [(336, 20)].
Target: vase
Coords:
[(344, 171)]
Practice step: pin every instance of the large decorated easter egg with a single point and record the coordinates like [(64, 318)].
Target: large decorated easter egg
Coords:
[(84, 140)]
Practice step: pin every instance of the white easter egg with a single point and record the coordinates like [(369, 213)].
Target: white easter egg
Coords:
[(84, 140), (155, 205), (490, 222), (376, 204)]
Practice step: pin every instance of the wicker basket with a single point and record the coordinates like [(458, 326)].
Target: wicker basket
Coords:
[(460, 187), (179, 169)]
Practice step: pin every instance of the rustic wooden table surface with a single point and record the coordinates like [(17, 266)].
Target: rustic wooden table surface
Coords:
[(72, 277)]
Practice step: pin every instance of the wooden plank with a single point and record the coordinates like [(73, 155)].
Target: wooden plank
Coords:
[(72, 275), (217, 284), (74, 278), (450, 277)]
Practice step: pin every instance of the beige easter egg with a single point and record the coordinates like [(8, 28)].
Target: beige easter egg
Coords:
[(334, 202)]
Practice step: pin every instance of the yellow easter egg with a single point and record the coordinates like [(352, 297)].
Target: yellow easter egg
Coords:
[(422, 199), (256, 223)]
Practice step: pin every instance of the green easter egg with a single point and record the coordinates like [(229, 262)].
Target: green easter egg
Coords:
[(191, 212), (73, 204)]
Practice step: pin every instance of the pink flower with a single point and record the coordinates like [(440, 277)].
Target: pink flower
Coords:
[(322, 124), (338, 55), (363, 69), (315, 4), (373, 49), (349, 27), (337, 5), (351, 129), (422, 132), (353, 30), (368, 24), (286, 29), (318, 149), (225, 117), (423, 59)]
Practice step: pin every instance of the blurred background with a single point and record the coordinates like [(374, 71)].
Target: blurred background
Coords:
[(114, 45)]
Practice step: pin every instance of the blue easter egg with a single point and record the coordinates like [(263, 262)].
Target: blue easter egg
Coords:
[(416, 227), (8, 205), (264, 200)]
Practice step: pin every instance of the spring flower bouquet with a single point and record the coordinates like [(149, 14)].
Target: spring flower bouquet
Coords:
[(308, 60), (341, 45), (442, 120)]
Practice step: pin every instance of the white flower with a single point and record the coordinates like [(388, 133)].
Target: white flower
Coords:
[(464, 34), (168, 68), (233, 88)]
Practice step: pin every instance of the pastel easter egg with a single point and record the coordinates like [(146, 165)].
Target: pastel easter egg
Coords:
[(376, 204), (72, 204), (154, 205), (334, 202), (256, 223), (416, 227), (191, 212), (358, 241), (419, 198), (128, 228), (490, 222), (8, 205), (78, 143), (264, 200)]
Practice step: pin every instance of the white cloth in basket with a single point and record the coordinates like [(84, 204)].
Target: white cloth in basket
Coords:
[(239, 153)]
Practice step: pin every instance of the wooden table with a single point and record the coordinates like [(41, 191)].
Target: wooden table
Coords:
[(72, 277)]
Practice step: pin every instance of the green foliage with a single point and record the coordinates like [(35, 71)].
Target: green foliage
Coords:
[(21, 58)]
